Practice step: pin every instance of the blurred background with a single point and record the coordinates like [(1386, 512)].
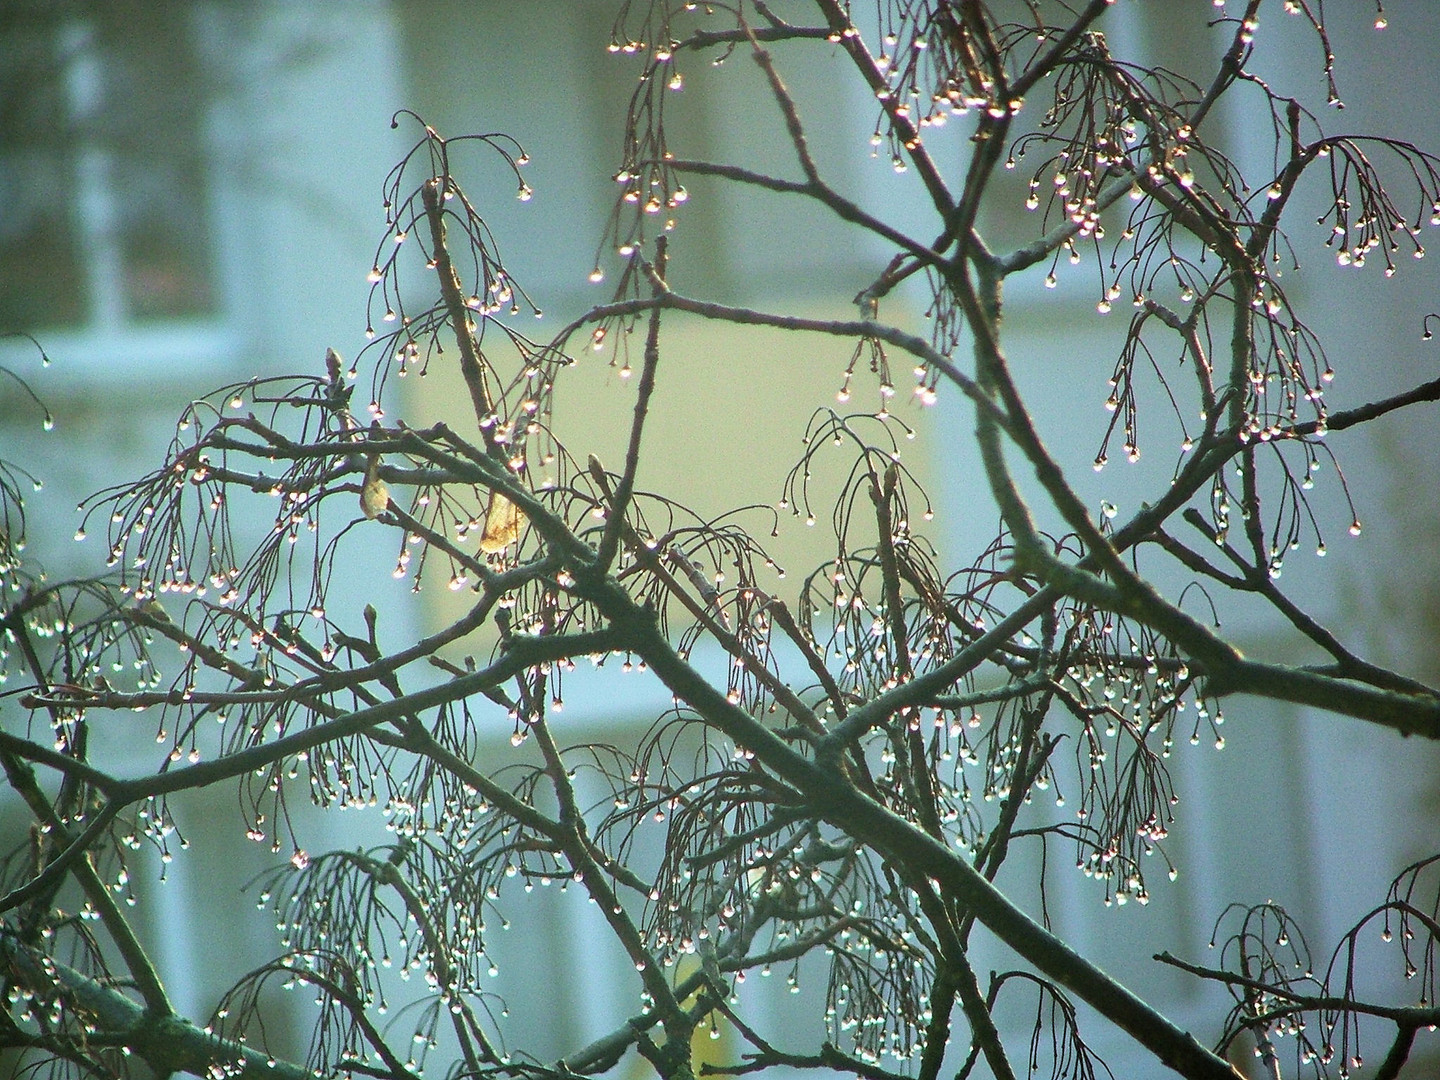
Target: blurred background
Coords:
[(190, 195)]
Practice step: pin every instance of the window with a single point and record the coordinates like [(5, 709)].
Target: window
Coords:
[(103, 183)]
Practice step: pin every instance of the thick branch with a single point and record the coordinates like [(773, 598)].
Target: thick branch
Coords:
[(903, 842), (166, 1043)]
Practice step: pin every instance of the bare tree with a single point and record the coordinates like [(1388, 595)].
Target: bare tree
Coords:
[(847, 787)]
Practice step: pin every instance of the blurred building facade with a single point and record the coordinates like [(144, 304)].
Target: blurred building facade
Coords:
[(191, 196)]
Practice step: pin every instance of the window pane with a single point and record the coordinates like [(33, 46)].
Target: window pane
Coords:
[(156, 98), (41, 279), (102, 168)]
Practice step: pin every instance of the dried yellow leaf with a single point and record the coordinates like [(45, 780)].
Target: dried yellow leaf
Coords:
[(503, 522), (374, 495)]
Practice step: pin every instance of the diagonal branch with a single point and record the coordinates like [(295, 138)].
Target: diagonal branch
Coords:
[(166, 1043), (903, 842)]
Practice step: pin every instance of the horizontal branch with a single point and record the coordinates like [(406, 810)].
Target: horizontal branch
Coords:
[(1404, 1015), (524, 652), (821, 192), (1409, 714), (915, 345), (1426, 391)]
